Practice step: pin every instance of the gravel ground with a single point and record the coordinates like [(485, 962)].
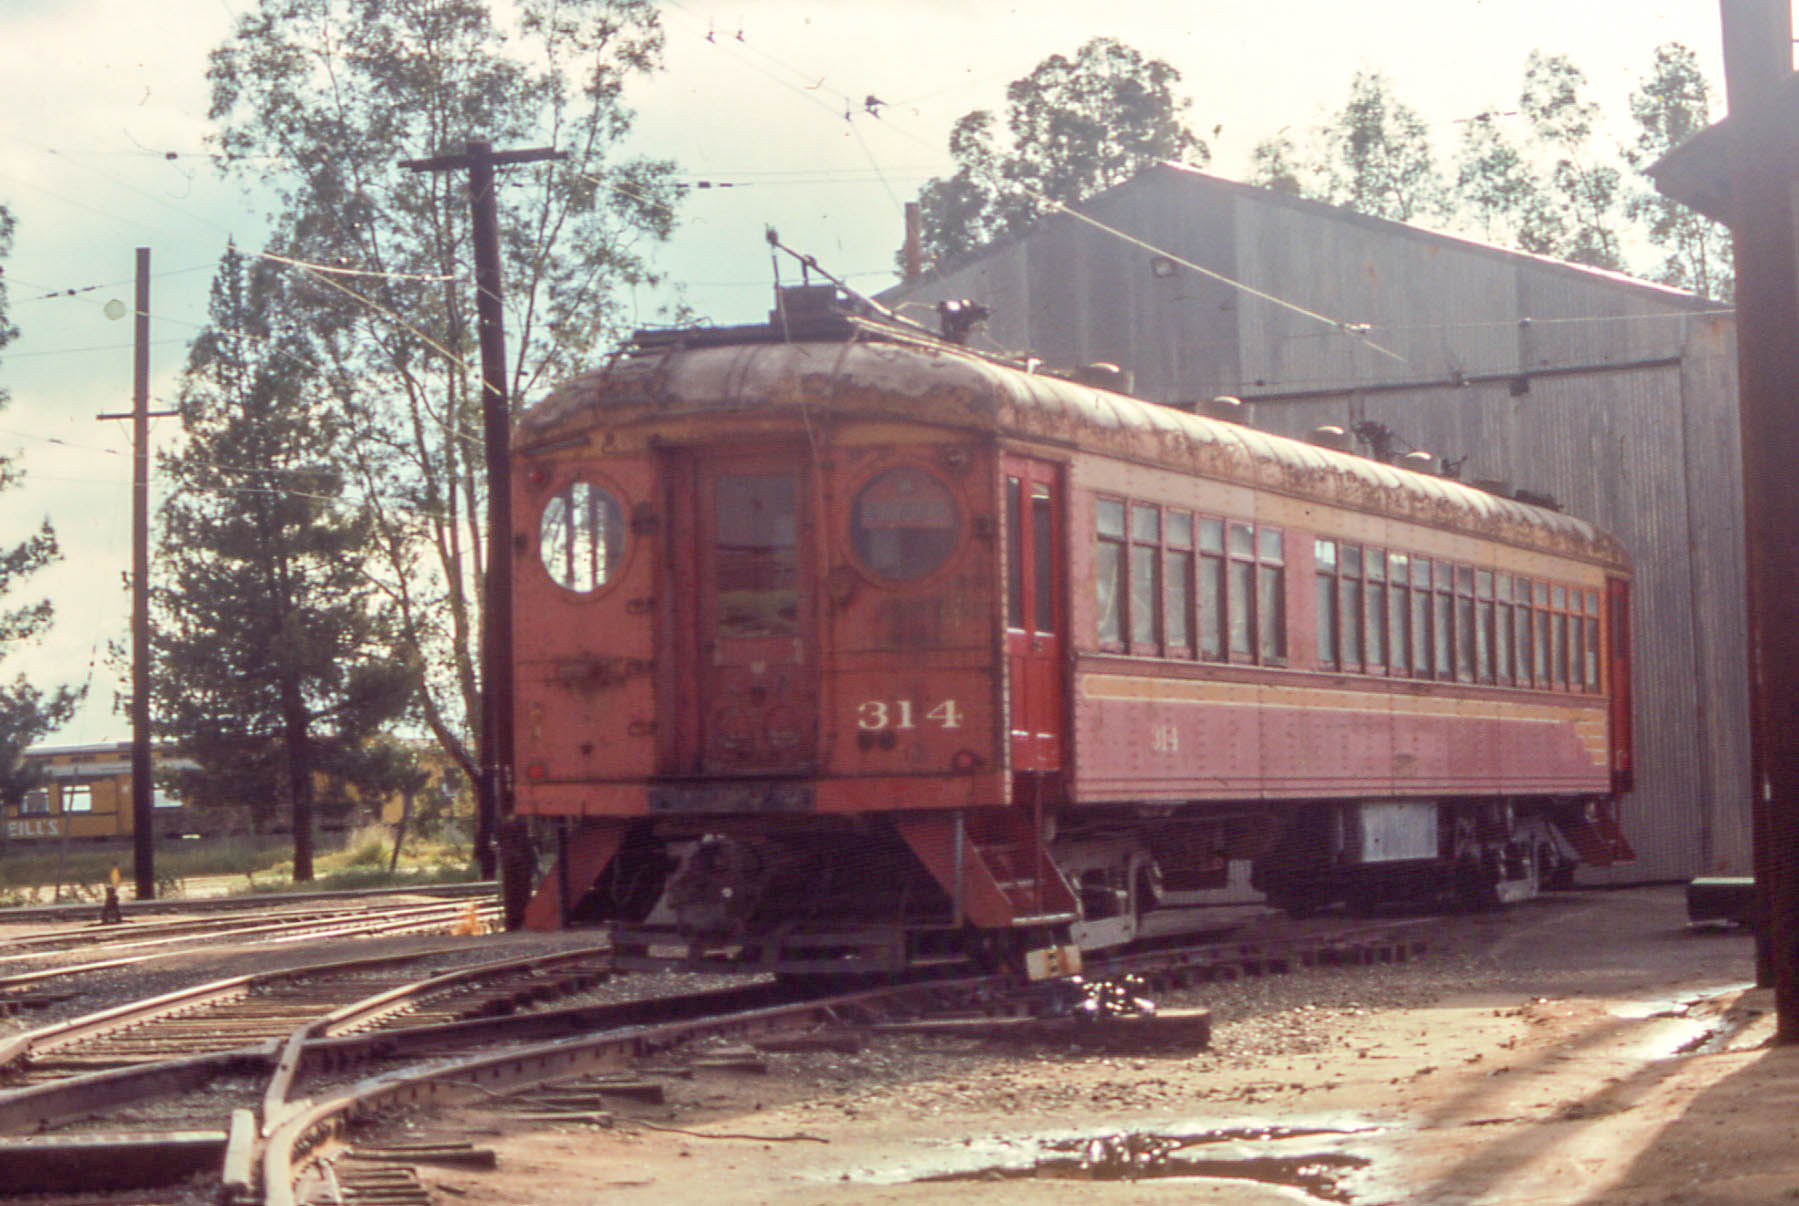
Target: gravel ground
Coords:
[(1531, 1057)]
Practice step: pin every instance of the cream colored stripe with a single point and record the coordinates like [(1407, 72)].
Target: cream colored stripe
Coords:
[(1257, 695)]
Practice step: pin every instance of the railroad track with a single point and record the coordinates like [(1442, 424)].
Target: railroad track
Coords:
[(288, 923), (277, 1108)]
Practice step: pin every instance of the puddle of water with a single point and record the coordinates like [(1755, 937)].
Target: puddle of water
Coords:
[(1676, 1032), (1255, 1152), (1674, 1007)]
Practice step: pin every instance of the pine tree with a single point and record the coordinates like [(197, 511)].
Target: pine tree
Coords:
[(273, 665), (27, 712)]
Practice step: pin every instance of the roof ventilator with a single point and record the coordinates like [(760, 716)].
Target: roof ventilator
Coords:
[(1331, 436), (1225, 408), (1420, 462), (1101, 375)]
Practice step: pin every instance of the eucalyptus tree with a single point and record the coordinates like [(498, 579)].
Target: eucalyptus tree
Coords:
[(1499, 191), (275, 663), (1376, 157), (27, 711), (1668, 107), (1073, 127), (1583, 182), (319, 100)]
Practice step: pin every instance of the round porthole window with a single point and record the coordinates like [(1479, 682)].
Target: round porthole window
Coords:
[(581, 537), (905, 524)]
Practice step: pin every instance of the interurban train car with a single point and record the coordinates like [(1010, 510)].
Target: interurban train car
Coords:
[(840, 645)]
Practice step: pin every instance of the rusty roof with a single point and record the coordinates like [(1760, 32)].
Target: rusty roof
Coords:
[(925, 381)]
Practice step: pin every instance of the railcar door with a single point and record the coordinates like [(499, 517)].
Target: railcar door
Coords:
[(755, 676), (1036, 622)]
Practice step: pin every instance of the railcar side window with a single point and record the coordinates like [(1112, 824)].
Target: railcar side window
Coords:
[(1502, 626), (1526, 634), (1271, 596), (1177, 583), (1399, 613), (1558, 599), (1464, 623), (581, 537), (1421, 642), (905, 524), (1545, 674), (1483, 625), (1591, 677), (1349, 586), (1108, 569), (1173, 584), (1240, 587), (1442, 619), (1324, 556), (1145, 574), (1375, 567), (1211, 589)]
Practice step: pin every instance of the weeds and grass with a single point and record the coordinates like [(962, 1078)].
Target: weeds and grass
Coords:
[(80, 872)]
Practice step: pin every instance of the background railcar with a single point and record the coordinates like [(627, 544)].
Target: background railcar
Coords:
[(841, 645), (86, 796)]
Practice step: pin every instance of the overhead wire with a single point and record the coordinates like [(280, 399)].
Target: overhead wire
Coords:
[(1356, 331)]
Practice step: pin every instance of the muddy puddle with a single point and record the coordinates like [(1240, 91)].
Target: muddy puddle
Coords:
[(1691, 1024), (1294, 1156)]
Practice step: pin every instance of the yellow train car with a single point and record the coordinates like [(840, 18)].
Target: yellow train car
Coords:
[(87, 796)]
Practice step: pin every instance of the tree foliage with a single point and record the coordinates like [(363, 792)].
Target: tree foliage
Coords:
[(1074, 127), (322, 99), (1584, 186), (1377, 156), (1499, 191), (1541, 177), (274, 668), (1669, 107), (27, 712)]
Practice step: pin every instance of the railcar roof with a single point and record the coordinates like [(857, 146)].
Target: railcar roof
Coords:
[(864, 369)]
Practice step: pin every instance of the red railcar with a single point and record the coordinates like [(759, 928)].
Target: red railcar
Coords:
[(842, 646)]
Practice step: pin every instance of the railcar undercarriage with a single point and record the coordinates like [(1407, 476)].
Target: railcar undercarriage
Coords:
[(868, 894)]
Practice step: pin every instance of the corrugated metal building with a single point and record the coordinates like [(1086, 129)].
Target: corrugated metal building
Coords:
[(1613, 396)]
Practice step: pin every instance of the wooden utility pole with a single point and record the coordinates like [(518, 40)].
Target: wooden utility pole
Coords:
[(1758, 40), (495, 789), (143, 806)]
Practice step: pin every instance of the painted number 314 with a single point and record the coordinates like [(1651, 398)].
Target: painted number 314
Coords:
[(878, 714)]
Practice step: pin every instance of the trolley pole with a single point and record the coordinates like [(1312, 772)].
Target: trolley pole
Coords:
[(497, 750), (143, 814)]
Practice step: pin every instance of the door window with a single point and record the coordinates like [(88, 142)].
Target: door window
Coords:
[(756, 529)]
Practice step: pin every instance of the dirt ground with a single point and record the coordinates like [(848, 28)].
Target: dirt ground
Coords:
[(1586, 1048)]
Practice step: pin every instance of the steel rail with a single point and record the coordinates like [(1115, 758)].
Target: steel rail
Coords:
[(371, 1009), (307, 1124), (132, 1013), (205, 904), (336, 925)]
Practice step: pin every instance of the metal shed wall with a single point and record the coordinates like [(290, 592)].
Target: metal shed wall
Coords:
[(1617, 397)]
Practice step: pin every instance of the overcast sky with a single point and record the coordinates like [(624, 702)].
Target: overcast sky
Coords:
[(102, 150)]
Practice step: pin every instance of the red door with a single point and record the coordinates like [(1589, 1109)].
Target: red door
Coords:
[(755, 676), (1036, 621)]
